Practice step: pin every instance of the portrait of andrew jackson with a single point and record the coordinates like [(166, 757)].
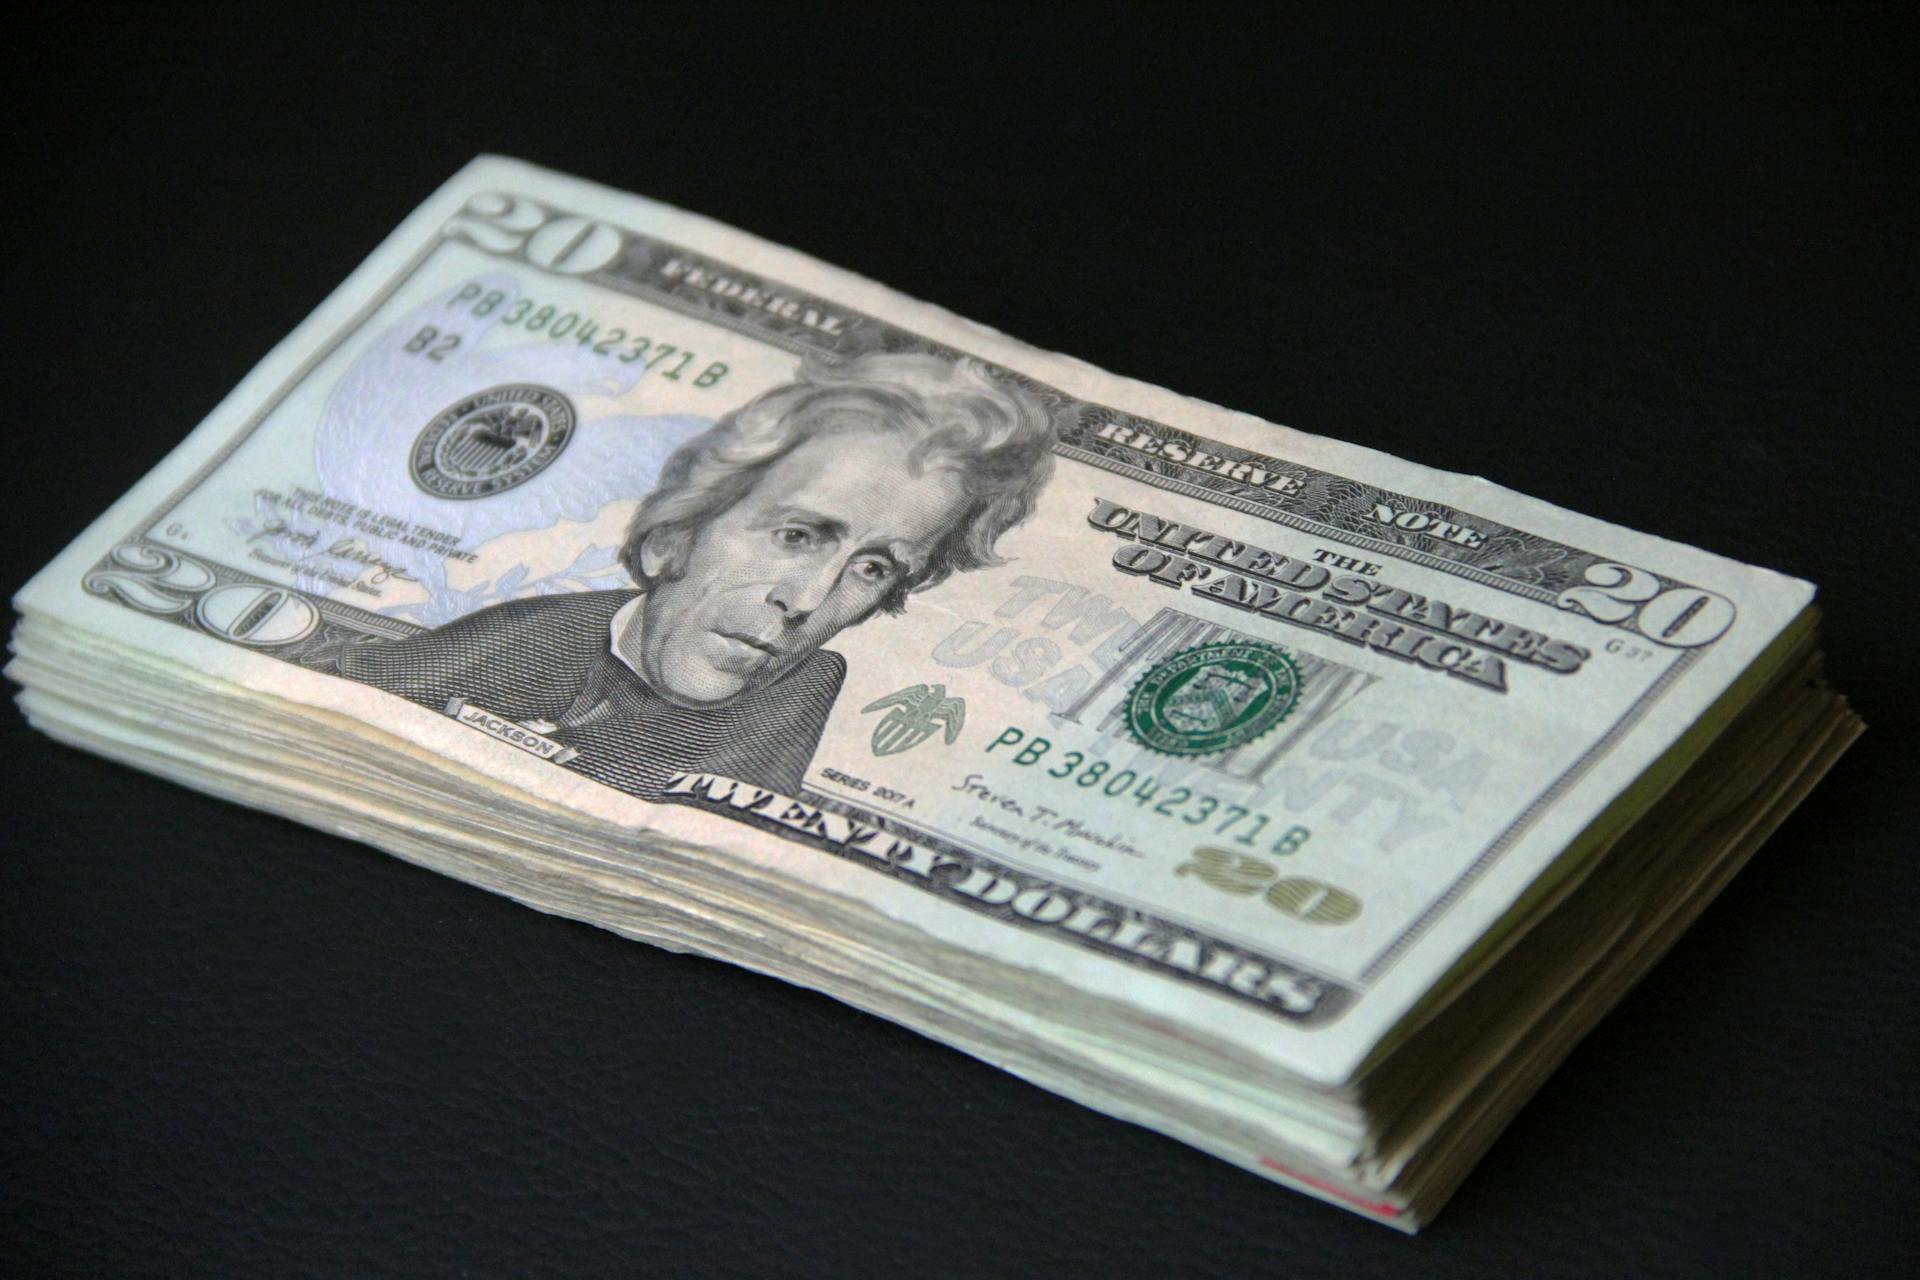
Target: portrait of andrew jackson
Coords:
[(808, 510)]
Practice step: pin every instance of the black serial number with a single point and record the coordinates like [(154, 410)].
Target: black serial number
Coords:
[(549, 320)]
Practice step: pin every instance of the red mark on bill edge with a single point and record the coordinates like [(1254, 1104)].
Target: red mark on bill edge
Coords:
[(1371, 1206), (1166, 1030)]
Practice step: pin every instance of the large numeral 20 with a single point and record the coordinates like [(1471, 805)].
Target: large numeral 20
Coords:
[(155, 580), (569, 244), (1619, 594)]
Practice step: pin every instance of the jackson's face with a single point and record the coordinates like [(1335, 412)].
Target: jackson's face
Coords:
[(816, 545)]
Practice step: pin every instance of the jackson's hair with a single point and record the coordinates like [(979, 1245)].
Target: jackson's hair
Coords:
[(994, 436)]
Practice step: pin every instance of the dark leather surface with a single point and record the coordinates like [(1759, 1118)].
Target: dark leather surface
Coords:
[(1660, 271)]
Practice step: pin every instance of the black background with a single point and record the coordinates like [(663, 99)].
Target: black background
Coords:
[(1656, 269)]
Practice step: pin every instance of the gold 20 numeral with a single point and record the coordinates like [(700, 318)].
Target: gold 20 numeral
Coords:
[(1243, 875)]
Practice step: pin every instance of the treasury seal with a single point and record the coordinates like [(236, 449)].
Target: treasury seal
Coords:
[(1213, 697), (491, 441)]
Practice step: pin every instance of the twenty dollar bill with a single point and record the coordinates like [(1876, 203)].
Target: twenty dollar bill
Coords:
[(1182, 762)]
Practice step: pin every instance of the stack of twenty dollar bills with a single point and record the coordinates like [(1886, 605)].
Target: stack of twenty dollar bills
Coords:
[(1301, 803)]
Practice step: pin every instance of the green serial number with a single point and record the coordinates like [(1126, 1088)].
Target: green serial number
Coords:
[(1194, 808), (610, 341)]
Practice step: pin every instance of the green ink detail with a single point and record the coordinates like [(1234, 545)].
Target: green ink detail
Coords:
[(913, 715), (1213, 698)]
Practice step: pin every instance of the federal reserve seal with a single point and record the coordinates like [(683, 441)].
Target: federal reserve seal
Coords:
[(491, 441), (1213, 697)]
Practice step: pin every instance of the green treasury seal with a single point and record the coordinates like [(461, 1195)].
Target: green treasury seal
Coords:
[(1213, 697)]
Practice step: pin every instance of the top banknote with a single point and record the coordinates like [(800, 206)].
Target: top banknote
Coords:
[(643, 517)]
